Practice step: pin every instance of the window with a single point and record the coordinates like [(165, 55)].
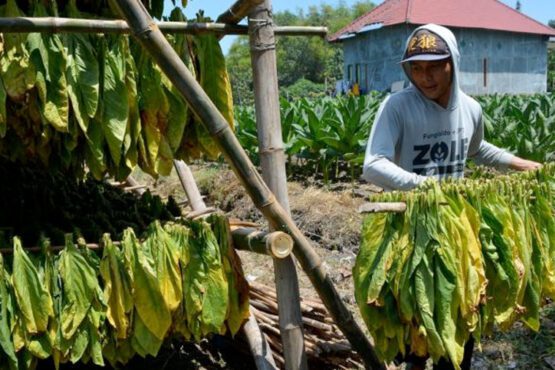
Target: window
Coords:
[(349, 72), (357, 74)]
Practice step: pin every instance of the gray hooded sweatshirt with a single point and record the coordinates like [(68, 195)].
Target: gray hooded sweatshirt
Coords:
[(414, 138)]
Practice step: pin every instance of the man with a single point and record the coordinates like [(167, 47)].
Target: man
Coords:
[(430, 128)]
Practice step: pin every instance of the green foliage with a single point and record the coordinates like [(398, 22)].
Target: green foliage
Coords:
[(309, 58), (246, 131), (241, 73), (522, 124), (303, 88), (321, 136)]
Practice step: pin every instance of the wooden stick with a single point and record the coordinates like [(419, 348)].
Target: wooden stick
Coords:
[(382, 207), (76, 25), (189, 185), (307, 305), (147, 33), (265, 306)]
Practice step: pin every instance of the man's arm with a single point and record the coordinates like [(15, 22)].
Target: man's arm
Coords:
[(520, 164), (379, 167), (383, 172)]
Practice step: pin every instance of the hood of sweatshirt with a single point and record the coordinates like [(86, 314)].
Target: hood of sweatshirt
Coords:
[(451, 42)]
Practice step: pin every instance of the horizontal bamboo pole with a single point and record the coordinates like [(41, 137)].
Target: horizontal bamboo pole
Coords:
[(134, 185), (260, 241), (276, 244), (76, 25), (382, 207), (150, 37), (55, 248)]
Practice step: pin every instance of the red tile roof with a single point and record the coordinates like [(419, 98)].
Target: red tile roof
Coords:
[(484, 14)]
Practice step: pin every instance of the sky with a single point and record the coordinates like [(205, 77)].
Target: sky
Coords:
[(540, 10)]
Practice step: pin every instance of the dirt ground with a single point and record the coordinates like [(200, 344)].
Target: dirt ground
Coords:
[(328, 217)]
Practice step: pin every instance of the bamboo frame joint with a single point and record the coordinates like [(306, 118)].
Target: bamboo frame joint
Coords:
[(279, 244), (145, 32)]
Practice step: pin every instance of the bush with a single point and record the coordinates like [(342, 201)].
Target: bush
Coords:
[(303, 88)]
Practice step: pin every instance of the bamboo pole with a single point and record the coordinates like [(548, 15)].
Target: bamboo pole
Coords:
[(56, 248), (276, 244), (189, 185), (148, 34), (238, 11), (382, 207), (254, 240), (134, 186), (272, 162), (76, 25), (260, 349)]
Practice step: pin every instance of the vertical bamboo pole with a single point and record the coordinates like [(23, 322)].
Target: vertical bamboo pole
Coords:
[(189, 186), (151, 38), (260, 349), (272, 161)]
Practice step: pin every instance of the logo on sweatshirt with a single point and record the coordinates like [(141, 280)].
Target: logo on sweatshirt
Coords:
[(440, 158)]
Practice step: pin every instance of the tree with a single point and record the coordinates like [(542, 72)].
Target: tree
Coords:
[(238, 63), (308, 58)]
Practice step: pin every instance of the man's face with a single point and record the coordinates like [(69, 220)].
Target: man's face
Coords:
[(433, 79)]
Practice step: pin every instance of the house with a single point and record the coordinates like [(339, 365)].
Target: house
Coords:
[(502, 50)]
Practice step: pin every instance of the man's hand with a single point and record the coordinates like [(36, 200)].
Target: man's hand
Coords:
[(520, 164)]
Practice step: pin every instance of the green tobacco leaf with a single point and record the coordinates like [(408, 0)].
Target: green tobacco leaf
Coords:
[(238, 310), (7, 350), (144, 342), (146, 290), (115, 100), (95, 156), (50, 60), (206, 288), (215, 82), (17, 71), (83, 73), (79, 284), (3, 114), (118, 291), (153, 106), (165, 254), (133, 131), (33, 300)]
